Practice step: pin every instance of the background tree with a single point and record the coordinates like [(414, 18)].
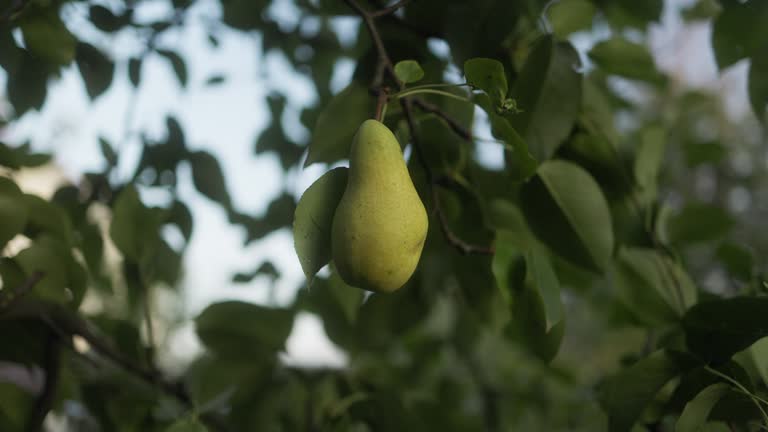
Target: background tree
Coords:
[(604, 272)]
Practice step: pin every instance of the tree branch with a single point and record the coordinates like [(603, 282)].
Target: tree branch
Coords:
[(454, 124), (388, 10), (51, 365), (455, 241), (7, 301)]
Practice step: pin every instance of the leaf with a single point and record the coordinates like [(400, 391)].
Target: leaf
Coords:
[(265, 269), (655, 289), (313, 220), (235, 329), (548, 91), (104, 19), (698, 223), (214, 80), (15, 408), (487, 75), (758, 84), (21, 156), (740, 32), (702, 10), (45, 217), (208, 177), (13, 215), (737, 260), (187, 425), (759, 352), (49, 257), (337, 124), (47, 36), (96, 69), (619, 56), (625, 395), (178, 65), (649, 158), (134, 227), (409, 71), (694, 416), (107, 151), (569, 16), (740, 322), (134, 70), (567, 210), (638, 14)]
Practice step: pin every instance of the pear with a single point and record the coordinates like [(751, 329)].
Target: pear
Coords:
[(380, 224)]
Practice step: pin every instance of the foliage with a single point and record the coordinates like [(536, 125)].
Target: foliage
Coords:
[(598, 278)]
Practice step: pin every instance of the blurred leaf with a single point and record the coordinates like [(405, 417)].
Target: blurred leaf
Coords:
[(15, 407), (695, 414), (243, 14), (236, 329), (28, 86), (47, 36), (625, 395), (623, 13), (134, 70), (649, 157), (96, 69), (13, 214), (570, 16), (134, 227), (265, 269), (178, 65), (46, 217), (740, 322), (697, 223), (656, 289), (567, 210), (619, 56), (181, 216), (702, 10), (105, 20), (187, 425), (409, 71), (737, 260), (487, 75), (548, 91), (759, 352), (337, 124), (107, 151), (49, 257), (215, 80), (758, 82), (740, 32), (699, 153), (21, 156), (208, 177), (313, 220)]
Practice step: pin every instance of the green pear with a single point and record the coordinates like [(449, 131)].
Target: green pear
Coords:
[(380, 223)]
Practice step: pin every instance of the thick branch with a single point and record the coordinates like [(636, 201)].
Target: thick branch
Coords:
[(51, 365)]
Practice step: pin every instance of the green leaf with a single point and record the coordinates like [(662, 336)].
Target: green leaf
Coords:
[(107, 151), (487, 75), (104, 19), (702, 10), (567, 210), (548, 91), (96, 69), (47, 36), (15, 407), (632, 13), (187, 425), (13, 214), (337, 124), (178, 65), (208, 177), (740, 32), (619, 56), (737, 260), (570, 16), (759, 352), (758, 84), (409, 71), (740, 322), (698, 223), (313, 220), (134, 227), (625, 395), (649, 157), (694, 416), (214, 80), (266, 269), (49, 257), (699, 153), (655, 289), (21, 156), (46, 217), (236, 329), (134, 70)]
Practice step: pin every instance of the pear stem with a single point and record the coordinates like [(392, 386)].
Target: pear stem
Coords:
[(381, 104)]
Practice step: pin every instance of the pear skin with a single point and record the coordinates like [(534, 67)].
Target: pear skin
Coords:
[(380, 224)]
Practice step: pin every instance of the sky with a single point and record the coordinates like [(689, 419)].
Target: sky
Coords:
[(226, 119)]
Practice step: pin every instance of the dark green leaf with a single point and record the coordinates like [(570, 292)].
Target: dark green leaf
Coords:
[(51, 258), (739, 323), (740, 32), (619, 56), (548, 91), (697, 223), (569, 16), (47, 36), (242, 330), (487, 75), (96, 69), (134, 227), (698, 153), (178, 65), (209, 178), (104, 19), (187, 425), (625, 395), (107, 151), (214, 80), (313, 219), (694, 416), (181, 216), (623, 13), (409, 71), (568, 212), (13, 214), (702, 10), (266, 269), (737, 260), (337, 123), (649, 158), (758, 83)]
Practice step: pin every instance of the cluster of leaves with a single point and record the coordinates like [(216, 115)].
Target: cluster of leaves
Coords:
[(562, 273)]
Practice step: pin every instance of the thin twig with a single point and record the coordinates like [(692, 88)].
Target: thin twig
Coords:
[(455, 126), (388, 10), (51, 365), (381, 103)]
